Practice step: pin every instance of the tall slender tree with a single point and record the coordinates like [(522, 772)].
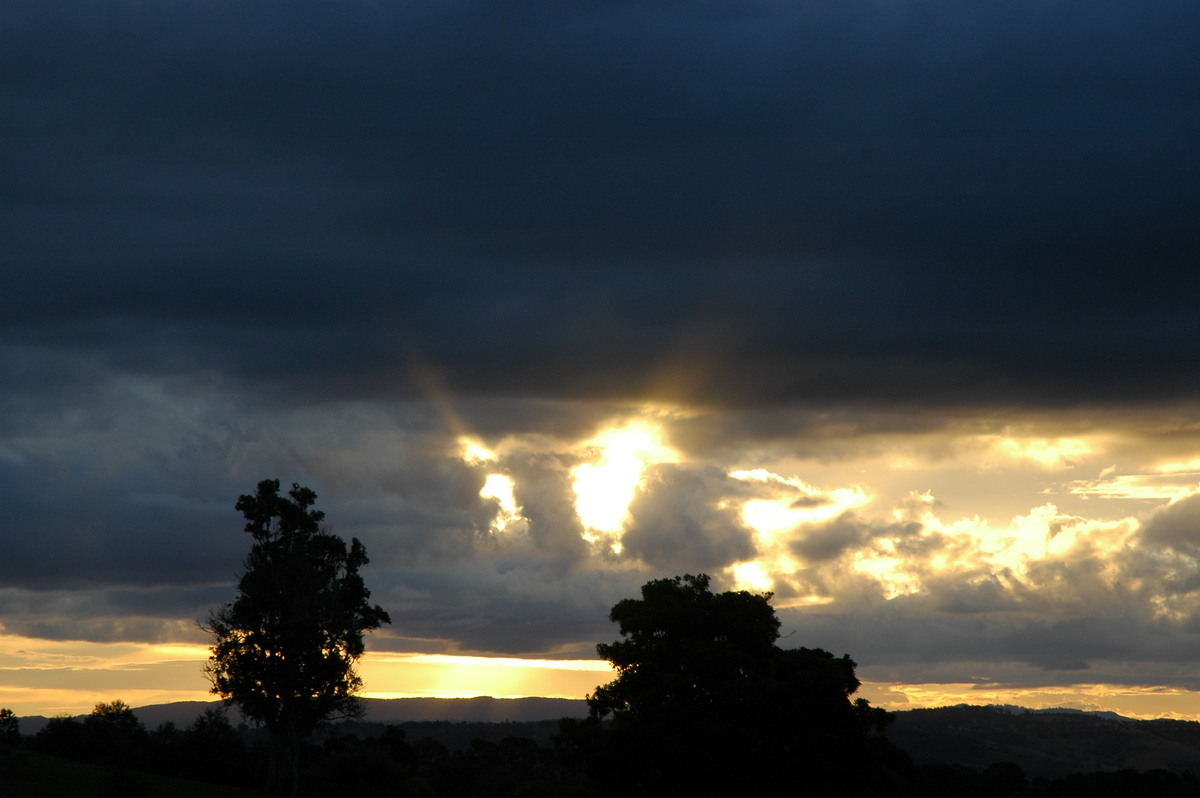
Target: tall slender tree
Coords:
[(284, 650)]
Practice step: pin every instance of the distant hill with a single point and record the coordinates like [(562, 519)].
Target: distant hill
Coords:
[(482, 709), (1047, 743)]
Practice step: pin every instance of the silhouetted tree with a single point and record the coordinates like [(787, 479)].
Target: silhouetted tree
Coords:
[(111, 734), (62, 736), (705, 703), (115, 734), (10, 727), (284, 649), (379, 767), (190, 753)]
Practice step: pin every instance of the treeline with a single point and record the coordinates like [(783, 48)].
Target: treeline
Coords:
[(383, 761), (373, 765), (209, 750)]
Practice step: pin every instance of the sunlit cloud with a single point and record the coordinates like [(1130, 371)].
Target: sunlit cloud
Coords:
[(1046, 453), (888, 570), (501, 488), (780, 520), (754, 576), (1170, 483), (475, 453), (624, 504), (607, 481), (498, 487), (797, 502)]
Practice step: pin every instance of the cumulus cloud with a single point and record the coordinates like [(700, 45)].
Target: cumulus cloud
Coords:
[(677, 523), (546, 499), (829, 541), (1176, 525)]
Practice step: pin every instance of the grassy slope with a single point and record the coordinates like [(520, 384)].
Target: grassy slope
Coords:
[(25, 774)]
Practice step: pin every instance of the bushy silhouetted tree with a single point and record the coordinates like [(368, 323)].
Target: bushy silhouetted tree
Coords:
[(706, 703), (62, 736), (191, 753), (10, 727), (115, 734), (111, 734), (284, 650)]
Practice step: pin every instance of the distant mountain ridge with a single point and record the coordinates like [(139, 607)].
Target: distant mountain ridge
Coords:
[(1050, 743), (1013, 709), (1047, 743), (481, 709)]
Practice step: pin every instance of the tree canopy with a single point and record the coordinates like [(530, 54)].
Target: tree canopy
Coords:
[(284, 650), (705, 702), (10, 727)]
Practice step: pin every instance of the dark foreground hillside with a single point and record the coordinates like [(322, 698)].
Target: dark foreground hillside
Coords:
[(27, 774), (1046, 744)]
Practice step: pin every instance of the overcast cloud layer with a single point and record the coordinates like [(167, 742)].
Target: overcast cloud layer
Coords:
[(859, 245)]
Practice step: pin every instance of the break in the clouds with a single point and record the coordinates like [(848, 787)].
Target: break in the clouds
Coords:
[(887, 308)]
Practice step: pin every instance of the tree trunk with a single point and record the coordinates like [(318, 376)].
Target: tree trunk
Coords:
[(295, 755), (283, 771)]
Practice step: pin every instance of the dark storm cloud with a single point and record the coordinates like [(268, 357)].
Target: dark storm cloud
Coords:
[(237, 238), (66, 525), (146, 615), (768, 202)]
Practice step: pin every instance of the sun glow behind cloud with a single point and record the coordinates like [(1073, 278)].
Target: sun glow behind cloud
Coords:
[(606, 483), (497, 486), (777, 520), (800, 503), (1171, 483), (1047, 453)]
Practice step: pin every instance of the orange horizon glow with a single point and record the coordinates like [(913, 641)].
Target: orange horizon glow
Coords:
[(70, 678)]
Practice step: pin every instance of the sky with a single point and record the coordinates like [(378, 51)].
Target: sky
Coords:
[(886, 307)]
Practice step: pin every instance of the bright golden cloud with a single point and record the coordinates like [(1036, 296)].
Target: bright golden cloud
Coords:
[(1170, 484), (1047, 453), (606, 483), (496, 486), (501, 488)]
